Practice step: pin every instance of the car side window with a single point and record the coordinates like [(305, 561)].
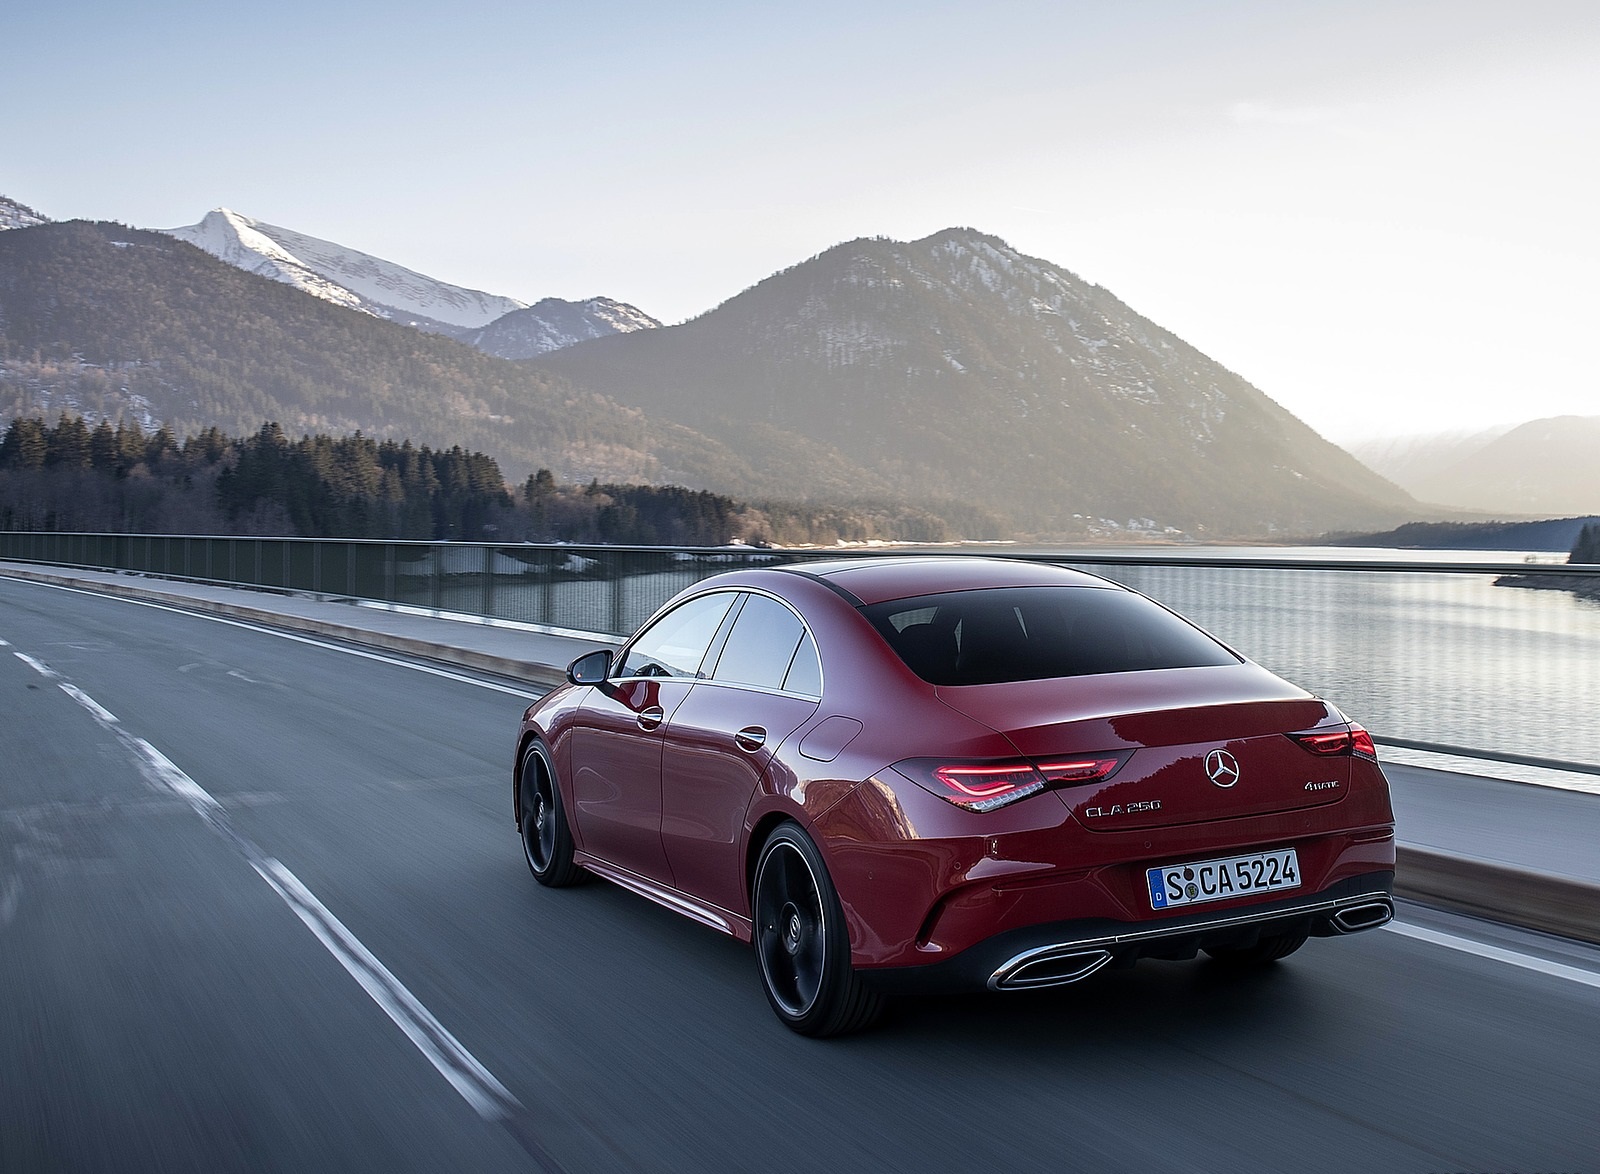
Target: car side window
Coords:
[(675, 644), (762, 645), (805, 670)]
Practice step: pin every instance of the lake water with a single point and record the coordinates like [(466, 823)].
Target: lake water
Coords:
[(1426, 656)]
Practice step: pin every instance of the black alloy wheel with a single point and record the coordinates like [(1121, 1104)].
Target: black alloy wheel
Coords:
[(546, 838), (801, 942)]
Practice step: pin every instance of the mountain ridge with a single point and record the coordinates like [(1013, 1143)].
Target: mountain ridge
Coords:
[(957, 365), (108, 321), (996, 391), (339, 274), (553, 323), (504, 326), (1545, 466), (14, 214)]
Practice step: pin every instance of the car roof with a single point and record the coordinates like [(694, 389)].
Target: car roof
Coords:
[(877, 580)]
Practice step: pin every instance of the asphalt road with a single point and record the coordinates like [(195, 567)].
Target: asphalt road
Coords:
[(262, 907)]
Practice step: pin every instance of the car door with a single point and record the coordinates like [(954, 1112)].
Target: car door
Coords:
[(616, 746), (720, 741)]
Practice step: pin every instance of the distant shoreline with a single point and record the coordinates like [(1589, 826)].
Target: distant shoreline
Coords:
[(1555, 534), (1586, 587)]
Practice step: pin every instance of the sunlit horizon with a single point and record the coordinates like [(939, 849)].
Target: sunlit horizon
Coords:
[(1379, 214)]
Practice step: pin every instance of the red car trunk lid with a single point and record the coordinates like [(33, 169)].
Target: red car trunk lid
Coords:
[(1208, 743)]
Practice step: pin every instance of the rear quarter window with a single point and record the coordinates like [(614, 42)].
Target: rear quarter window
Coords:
[(761, 647), (1032, 633)]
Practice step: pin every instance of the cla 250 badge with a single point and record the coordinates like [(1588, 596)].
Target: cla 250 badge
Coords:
[(1120, 809)]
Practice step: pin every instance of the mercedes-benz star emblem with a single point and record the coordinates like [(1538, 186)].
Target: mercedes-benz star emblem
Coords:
[(1222, 768)]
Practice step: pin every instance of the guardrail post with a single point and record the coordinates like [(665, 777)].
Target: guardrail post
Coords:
[(618, 567), (488, 580)]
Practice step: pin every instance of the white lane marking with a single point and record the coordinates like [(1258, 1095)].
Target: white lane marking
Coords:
[(163, 772), (89, 703), (4, 644), (39, 667), (298, 639), (1495, 953), (460, 1067), (476, 1084)]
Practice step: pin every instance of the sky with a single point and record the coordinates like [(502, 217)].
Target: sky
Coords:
[(1381, 214)]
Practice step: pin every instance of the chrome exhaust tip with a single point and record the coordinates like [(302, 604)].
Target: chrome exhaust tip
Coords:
[(1367, 915), (1050, 966)]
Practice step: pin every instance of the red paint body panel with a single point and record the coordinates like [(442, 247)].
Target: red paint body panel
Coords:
[(707, 783), (921, 879), (615, 774), (1073, 714), (918, 869)]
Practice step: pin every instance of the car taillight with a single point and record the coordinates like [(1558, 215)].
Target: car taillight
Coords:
[(1081, 770), (1350, 740), (1361, 743), (985, 786)]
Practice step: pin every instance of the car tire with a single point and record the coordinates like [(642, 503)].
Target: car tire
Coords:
[(801, 944), (1268, 949), (546, 836)]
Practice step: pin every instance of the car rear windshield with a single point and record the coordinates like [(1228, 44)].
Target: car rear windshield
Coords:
[(1030, 633)]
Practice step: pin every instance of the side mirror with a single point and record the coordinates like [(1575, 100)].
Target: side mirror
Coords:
[(591, 668)]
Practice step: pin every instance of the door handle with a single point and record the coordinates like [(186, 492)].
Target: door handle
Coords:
[(650, 717), (750, 739)]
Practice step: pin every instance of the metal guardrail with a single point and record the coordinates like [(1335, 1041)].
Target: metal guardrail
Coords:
[(1431, 655)]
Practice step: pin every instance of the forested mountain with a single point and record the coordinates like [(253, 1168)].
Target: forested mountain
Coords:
[(954, 366), (1544, 534), (70, 477), (111, 321), (945, 388)]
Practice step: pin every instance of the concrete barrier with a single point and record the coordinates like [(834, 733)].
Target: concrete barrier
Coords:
[(524, 670), (1501, 892)]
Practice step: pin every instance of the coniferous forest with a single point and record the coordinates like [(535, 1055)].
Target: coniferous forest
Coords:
[(120, 479)]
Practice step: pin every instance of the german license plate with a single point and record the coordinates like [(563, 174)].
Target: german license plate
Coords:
[(1173, 885)]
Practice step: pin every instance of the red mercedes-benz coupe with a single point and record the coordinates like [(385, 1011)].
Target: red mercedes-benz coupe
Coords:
[(947, 773)]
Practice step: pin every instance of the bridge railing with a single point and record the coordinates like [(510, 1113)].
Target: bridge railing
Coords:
[(1444, 656)]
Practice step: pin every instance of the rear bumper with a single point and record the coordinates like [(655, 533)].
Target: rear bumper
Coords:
[(1066, 951)]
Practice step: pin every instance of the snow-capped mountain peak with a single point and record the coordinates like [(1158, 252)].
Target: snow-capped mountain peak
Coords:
[(502, 326), (15, 215), (340, 274), (552, 323)]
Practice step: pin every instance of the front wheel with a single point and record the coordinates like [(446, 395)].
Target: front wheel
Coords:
[(546, 838), (801, 942)]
